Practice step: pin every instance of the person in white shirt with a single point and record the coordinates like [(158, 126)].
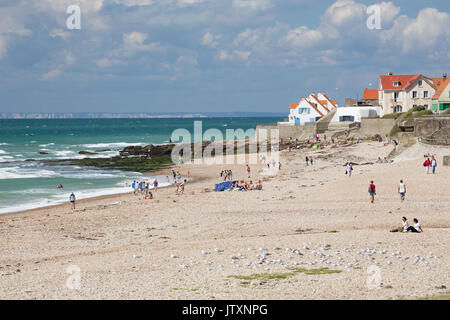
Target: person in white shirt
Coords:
[(402, 190), (404, 227), (433, 164), (405, 224), (416, 227), (349, 169)]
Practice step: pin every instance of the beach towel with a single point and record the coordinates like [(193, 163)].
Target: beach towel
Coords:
[(223, 186)]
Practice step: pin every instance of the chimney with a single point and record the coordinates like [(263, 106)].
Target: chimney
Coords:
[(390, 73), (444, 76)]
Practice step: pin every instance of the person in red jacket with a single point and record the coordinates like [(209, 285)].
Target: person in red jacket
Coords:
[(372, 192), (427, 165)]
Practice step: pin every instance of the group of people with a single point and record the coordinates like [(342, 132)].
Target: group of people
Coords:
[(416, 227), (245, 186), (430, 163), (401, 189), (143, 188), (226, 175), (384, 160), (309, 161)]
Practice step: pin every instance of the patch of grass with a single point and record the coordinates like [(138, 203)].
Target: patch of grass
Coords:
[(394, 131), (333, 231), (441, 287), (245, 283), (280, 276), (392, 115)]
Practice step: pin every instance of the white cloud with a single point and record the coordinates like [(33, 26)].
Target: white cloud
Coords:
[(51, 74), (210, 40), (252, 4), (54, 33), (302, 37), (107, 62), (234, 55)]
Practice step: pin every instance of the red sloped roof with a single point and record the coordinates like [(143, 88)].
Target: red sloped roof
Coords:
[(293, 105), (329, 100), (439, 88), (370, 94), (315, 108), (315, 98), (387, 82)]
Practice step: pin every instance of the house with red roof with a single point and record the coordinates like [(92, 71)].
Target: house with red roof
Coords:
[(310, 109), (400, 93), (441, 98)]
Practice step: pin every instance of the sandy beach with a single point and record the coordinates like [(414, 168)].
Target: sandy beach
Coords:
[(245, 245)]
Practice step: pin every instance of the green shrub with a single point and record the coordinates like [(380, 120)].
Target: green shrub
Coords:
[(394, 131), (418, 108), (392, 115)]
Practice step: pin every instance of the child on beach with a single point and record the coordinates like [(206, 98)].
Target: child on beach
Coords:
[(372, 192), (349, 169)]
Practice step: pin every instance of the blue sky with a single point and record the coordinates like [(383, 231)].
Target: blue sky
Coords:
[(205, 55)]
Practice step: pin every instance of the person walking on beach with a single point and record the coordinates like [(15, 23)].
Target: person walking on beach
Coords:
[(402, 190), (307, 161), (349, 169), (427, 164), (72, 200), (433, 164), (311, 161), (248, 170), (372, 192), (155, 185)]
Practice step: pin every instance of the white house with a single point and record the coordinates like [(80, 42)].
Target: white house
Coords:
[(355, 114), (309, 109), (441, 99), (400, 93)]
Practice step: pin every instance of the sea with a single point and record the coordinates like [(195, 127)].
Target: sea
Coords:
[(26, 183)]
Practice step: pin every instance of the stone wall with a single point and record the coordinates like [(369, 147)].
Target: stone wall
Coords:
[(286, 132), (373, 126), (426, 126)]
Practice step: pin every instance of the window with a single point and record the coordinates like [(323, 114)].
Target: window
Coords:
[(396, 83), (425, 94), (425, 106), (414, 94), (398, 109), (420, 83)]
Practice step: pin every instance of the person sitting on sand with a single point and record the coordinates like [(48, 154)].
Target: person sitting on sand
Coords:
[(416, 227), (149, 195), (404, 226), (259, 185)]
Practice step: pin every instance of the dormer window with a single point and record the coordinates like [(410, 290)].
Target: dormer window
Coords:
[(396, 83)]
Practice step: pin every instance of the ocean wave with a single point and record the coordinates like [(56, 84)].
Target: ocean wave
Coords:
[(3, 152), (4, 144), (47, 144), (20, 173)]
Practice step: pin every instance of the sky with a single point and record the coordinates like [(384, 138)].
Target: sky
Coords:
[(210, 55)]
